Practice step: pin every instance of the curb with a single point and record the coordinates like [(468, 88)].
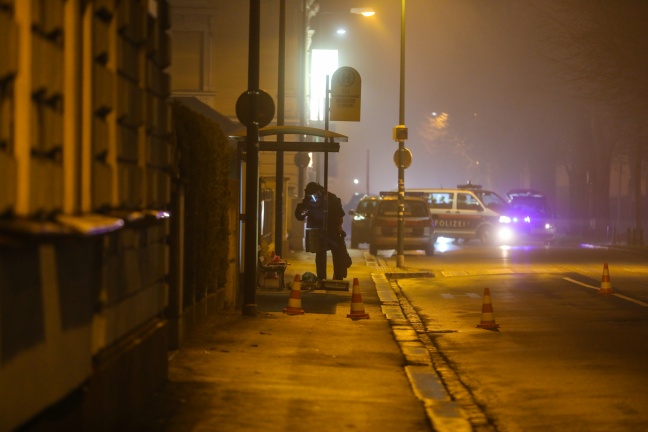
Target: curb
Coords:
[(446, 414)]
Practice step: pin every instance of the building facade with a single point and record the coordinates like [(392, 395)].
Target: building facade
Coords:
[(85, 189)]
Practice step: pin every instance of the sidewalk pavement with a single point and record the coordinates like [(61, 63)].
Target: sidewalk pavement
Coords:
[(320, 371)]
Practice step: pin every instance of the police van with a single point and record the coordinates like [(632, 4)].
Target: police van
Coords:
[(531, 215), (468, 212)]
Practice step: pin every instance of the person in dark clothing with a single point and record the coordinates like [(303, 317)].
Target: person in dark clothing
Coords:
[(323, 210)]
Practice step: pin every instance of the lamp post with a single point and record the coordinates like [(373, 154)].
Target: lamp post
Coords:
[(400, 135)]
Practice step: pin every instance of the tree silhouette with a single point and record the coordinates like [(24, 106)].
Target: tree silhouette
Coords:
[(601, 46)]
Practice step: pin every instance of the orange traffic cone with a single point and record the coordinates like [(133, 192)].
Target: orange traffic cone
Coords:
[(606, 285), (294, 301), (487, 320), (357, 307)]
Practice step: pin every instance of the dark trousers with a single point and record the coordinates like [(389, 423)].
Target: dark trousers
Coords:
[(340, 262)]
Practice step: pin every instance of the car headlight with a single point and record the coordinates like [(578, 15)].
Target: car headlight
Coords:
[(505, 234), (504, 219)]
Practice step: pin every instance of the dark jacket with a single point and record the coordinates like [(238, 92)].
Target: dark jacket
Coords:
[(313, 213)]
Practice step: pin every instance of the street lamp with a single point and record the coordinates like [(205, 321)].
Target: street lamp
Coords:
[(399, 135), (363, 11)]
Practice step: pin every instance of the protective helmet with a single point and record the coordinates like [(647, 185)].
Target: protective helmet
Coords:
[(314, 191), (312, 188)]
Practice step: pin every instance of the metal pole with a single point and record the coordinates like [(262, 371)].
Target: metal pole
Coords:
[(279, 176), (327, 112), (400, 257), (252, 167), (367, 179)]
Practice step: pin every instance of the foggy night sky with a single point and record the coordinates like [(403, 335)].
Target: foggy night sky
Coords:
[(484, 62)]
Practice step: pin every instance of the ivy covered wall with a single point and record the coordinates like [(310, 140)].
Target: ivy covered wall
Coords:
[(204, 158)]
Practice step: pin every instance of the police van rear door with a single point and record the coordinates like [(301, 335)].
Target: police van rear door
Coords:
[(441, 205)]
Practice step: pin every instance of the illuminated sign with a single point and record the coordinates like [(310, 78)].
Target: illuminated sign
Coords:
[(345, 95)]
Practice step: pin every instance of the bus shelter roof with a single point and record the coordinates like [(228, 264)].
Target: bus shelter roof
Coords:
[(331, 143)]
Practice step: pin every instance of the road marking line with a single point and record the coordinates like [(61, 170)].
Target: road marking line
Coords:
[(639, 302), (580, 283), (450, 296), (621, 296), (635, 271), (453, 273), (498, 271)]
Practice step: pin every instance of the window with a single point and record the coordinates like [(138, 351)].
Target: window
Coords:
[(188, 59), (467, 202), (492, 200), (441, 200), (323, 63), (366, 207)]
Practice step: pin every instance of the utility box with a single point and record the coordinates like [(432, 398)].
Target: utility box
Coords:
[(334, 285)]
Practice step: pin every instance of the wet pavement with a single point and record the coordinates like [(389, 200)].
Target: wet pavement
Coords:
[(317, 371)]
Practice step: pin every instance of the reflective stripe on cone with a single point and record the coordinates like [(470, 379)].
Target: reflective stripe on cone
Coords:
[(357, 307), (606, 285), (294, 301), (488, 319)]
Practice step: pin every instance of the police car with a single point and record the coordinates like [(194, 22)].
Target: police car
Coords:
[(469, 212), (531, 215), (360, 224), (418, 226)]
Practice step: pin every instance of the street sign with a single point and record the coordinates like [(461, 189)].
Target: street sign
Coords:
[(399, 133), (346, 89), (265, 108), (302, 159), (407, 158)]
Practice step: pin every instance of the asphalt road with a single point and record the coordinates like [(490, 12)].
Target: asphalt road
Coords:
[(565, 357)]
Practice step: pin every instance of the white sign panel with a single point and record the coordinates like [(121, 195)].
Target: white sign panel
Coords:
[(345, 95)]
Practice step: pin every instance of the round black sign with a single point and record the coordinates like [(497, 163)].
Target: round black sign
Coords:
[(302, 159), (265, 108), (407, 158)]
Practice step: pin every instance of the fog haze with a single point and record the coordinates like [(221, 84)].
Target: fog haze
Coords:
[(487, 64)]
